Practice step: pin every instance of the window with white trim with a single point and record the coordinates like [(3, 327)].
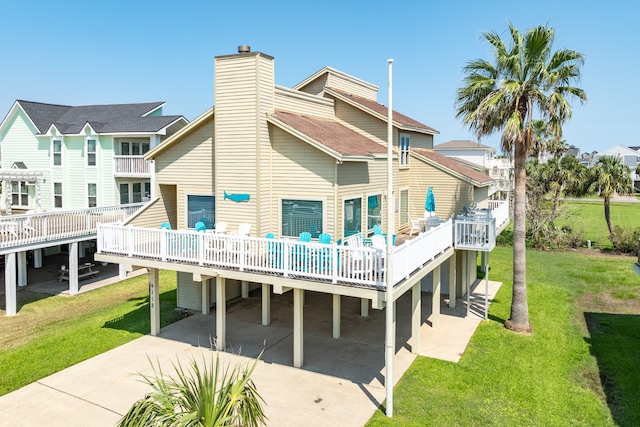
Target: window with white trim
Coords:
[(374, 210), (352, 216), (92, 195), (134, 148), (57, 195), (19, 194), (56, 152), (91, 152), (201, 209), (301, 215), (404, 206), (404, 150)]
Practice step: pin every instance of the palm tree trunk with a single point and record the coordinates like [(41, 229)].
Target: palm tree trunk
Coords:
[(519, 318), (607, 214)]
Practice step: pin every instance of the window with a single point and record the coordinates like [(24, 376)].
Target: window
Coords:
[(57, 195), (201, 209), (352, 216), (133, 148), (374, 211), (404, 150), (91, 152), (301, 215), (19, 193), (57, 152), (92, 195), (404, 206), (134, 192)]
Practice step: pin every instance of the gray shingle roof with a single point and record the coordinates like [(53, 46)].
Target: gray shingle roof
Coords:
[(110, 118)]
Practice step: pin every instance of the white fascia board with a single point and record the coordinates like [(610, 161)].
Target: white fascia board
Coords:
[(49, 131), (451, 172), (13, 111), (87, 126), (344, 75), (303, 95), (154, 109)]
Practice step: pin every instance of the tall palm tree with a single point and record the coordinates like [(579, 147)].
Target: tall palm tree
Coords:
[(524, 78), (207, 396), (610, 176)]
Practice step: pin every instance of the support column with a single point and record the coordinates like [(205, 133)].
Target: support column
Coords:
[(298, 327), (336, 315), (154, 300), (10, 283), (22, 268), (435, 303), (81, 250), (245, 289), (463, 274), (205, 296), (364, 307), (37, 258), (122, 271), (452, 281), (467, 279), (416, 315), (221, 313), (266, 304), (73, 268)]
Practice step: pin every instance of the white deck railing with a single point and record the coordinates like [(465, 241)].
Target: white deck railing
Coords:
[(500, 211), (26, 229), (359, 266), (131, 166)]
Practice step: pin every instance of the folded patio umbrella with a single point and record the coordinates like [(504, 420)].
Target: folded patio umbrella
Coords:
[(430, 204)]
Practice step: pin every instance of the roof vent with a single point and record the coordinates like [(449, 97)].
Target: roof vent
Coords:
[(244, 49)]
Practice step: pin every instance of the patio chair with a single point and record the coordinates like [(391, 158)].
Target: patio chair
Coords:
[(26, 225), (220, 227), (199, 227), (415, 225), (377, 229), (244, 229), (165, 226)]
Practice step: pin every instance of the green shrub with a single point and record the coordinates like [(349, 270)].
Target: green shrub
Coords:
[(625, 240)]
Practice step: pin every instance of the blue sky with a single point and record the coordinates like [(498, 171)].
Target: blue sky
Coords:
[(89, 52)]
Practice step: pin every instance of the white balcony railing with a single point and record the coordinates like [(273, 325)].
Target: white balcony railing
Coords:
[(131, 166), (29, 229), (500, 211), (333, 263)]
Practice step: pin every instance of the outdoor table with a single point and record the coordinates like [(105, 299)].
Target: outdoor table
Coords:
[(84, 271)]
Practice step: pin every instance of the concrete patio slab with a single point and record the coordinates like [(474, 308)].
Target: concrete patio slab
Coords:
[(341, 382)]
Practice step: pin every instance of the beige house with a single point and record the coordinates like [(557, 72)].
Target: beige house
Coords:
[(285, 161)]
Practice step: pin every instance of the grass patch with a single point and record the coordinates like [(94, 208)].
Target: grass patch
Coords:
[(588, 217), (551, 377), (51, 333)]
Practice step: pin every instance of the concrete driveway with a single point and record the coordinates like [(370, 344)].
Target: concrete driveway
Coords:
[(341, 383)]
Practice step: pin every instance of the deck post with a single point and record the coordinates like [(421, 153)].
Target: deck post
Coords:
[(298, 335), (122, 271), (266, 304), (10, 283), (154, 300), (205, 298), (416, 316), (452, 281), (364, 307), (73, 268), (435, 302), (221, 313), (245, 289), (22, 268), (336, 315), (37, 258)]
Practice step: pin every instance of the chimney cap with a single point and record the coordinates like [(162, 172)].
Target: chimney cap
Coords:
[(244, 49)]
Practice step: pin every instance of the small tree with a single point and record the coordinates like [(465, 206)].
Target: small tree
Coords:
[(609, 177), (207, 396)]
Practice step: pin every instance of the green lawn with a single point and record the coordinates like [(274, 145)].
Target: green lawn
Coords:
[(551, 378), (588, 217), (51, 333)]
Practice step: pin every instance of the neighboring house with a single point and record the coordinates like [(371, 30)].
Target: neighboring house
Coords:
[(500, 170), (58, 157), (628, 156), (470, 151), (290, 161)]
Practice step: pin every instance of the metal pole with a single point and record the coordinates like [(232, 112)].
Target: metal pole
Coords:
[(389, 330), (486, 286)]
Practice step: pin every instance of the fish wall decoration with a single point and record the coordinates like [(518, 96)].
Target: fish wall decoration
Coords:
[(240, 197)]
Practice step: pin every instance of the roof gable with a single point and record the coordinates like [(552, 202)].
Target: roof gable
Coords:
[(381, 111), (456, 168), (618, 150), (334, 136)]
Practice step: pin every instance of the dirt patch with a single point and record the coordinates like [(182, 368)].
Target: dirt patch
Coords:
[(606, 302)]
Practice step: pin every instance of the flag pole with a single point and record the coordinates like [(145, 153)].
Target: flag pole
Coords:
[(389, 329)]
